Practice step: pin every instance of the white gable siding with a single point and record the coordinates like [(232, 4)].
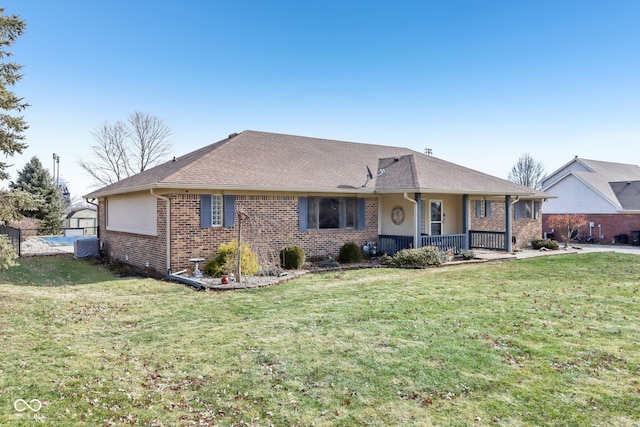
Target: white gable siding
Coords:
[(560, 173), (132, 214), (575, 197)]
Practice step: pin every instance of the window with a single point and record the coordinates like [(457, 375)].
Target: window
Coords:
[(318, 213), (526, 209), (217, 210), (435, 217), (132, 213), (483, 208)]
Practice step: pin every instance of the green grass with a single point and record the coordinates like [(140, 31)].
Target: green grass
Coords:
[(553, 340)]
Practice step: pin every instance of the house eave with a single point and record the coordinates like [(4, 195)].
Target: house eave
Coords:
[(305, 190), (462, 191), (209, 187)]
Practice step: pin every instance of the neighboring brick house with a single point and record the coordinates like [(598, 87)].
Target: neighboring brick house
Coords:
[(278, 190), (607, 193)]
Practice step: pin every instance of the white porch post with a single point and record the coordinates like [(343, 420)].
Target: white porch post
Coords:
[(418, 197), (466, 220)]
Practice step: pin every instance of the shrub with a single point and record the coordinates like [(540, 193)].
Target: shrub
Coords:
[(467, 254), (28, 227), (8, 256), (292, 257), (326, 263), (418, 257), (226, 259), (544, 243), (270, 270), (350, 253)]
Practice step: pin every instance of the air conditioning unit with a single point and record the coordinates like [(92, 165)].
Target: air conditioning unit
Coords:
[(86, 248)]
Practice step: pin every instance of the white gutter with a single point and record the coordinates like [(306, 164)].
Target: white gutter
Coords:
[(415, 218), (167, 227)]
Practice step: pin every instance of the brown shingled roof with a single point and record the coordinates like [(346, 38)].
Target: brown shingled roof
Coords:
[(275, 162)]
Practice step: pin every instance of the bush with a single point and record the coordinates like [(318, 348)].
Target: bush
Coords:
[(544, 243), (8, 256), (292, 257), (326, 263), (270, 270), (418, 257), (467, 254), (225, 261), (350, 253)]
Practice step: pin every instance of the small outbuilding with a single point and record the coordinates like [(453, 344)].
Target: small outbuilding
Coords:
[(83, 220)]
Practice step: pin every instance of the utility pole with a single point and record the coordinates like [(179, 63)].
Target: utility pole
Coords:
[(56, 175)]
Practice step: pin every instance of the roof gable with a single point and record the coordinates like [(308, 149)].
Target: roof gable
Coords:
[(599, 176)]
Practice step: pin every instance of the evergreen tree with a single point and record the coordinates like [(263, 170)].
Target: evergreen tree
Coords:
[(36, 180), (11, 127)]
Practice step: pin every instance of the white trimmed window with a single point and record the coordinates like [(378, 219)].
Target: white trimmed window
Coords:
[(526, 209), (216, 210)]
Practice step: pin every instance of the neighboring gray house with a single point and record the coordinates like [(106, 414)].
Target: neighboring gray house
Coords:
[(607, 193)]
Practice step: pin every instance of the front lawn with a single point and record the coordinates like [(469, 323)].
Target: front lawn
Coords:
[(553, 340)]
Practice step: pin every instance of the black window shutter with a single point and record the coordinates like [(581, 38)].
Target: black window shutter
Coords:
[(205, 211), (487, 208), (478, 208), (303, 210), (229, 206), (361, 214)]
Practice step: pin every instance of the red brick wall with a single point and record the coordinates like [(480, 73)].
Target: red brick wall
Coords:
[(147, 252), (271, 224), (612, 225), (524, 230)]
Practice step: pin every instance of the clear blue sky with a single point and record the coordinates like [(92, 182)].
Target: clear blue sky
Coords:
[(478, 82)]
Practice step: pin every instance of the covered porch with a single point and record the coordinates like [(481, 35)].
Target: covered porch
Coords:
[(443, 221)]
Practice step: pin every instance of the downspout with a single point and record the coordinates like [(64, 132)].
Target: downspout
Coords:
[(167, 228), (415, 219)]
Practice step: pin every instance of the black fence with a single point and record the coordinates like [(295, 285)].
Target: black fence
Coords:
[(389, 244), (487, 240), (20, 237), (13, 235)]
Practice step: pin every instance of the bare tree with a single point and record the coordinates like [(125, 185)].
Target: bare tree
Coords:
[(148, 136), (111, 164), (527, 172), (125, 149)]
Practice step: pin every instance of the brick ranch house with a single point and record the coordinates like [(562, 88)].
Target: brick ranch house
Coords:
[(607, 193), (279, 190)]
